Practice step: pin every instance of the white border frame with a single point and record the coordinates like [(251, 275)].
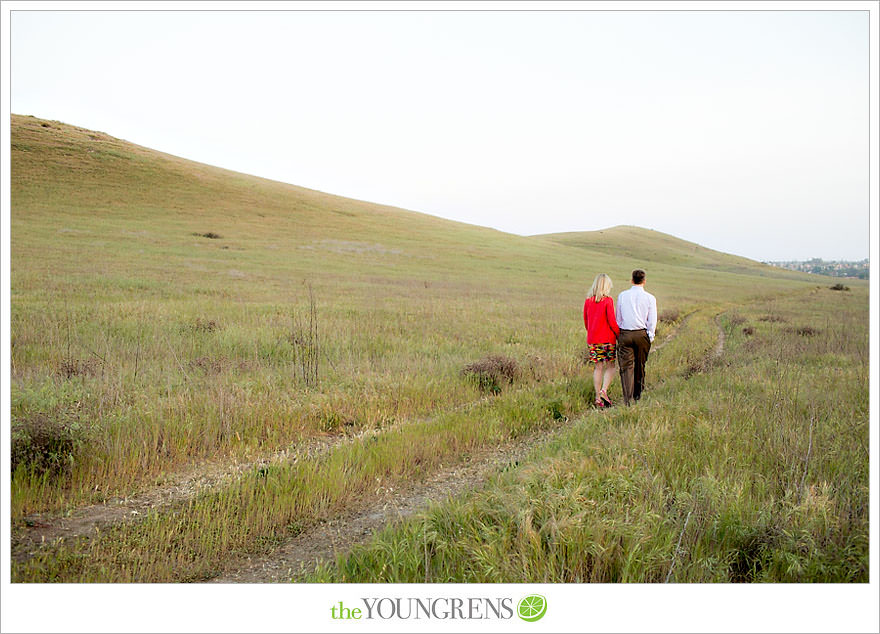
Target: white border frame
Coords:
[(573, 608)]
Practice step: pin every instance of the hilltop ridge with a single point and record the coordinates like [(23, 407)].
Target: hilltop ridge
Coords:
[(650, 246), (92, 182)]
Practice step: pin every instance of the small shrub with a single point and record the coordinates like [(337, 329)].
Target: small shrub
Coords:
[(202, 325), (775, 319), (331, 420), (210, 234), (670, 314), (839, 287), (694, 368), (491, 372), (304, 338), (555, 409), (748, 331), (74, 367), (737, 320), (807, 331), (46, 445), (209, 365)]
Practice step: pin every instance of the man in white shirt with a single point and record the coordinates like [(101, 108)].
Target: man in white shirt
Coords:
[(636, 314)]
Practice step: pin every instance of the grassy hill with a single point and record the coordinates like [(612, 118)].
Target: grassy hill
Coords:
[(72, 186), (647, 248), (168, 315)]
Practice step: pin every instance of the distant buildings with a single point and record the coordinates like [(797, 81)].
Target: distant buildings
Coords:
[(834, 268)]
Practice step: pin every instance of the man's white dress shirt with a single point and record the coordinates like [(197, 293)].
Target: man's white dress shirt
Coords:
[(637, 309)]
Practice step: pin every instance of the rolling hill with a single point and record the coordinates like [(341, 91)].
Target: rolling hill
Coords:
[(71, 185), (646, 247)]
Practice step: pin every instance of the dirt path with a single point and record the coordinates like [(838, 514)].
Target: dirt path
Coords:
[(300, 555), (722, 338), (29, 534), (40, 529)]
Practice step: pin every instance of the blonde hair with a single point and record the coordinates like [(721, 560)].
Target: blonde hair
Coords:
[(601, 287)]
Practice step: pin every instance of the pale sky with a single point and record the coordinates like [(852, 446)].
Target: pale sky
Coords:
[(746, 132)]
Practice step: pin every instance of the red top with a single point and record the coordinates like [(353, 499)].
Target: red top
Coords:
[(599, 321)]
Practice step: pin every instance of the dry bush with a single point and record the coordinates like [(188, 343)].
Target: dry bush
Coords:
[(694, 368), (839, 287), (748, 331), (75, 367), (775, 319), (46, 445), (669, 315), (736, 320), (304, 338), (209, 365), (210, 234), (807, 331), (205, 325), (491, 372)]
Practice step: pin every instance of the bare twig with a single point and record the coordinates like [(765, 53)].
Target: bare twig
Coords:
[(95, 354), (137, 354), (427, 561), (809, 451), (645, 462), (678, 546), (306, 344), (179, 364)]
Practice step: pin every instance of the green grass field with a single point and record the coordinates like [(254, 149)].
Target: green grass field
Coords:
[(168, 316)]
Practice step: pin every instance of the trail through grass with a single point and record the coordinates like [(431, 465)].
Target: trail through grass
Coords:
[(752, 469)]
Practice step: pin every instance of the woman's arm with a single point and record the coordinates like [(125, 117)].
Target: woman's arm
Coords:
[(612, 320), (586, 321)]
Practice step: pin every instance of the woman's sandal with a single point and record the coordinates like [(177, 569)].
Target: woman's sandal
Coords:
[(606, 402), (599, 403)]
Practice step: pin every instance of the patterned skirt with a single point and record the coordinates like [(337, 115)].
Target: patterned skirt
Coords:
[(602, 352)]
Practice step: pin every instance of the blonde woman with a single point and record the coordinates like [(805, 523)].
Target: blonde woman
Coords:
[(602, 333)]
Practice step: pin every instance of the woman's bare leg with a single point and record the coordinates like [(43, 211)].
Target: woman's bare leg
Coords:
[(598, 371), (610, 371)]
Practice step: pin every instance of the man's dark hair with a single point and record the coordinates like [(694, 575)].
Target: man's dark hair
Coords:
[(638, 276)]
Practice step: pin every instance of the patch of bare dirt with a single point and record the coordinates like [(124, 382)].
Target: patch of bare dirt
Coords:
[(712, 356), (719, 346)]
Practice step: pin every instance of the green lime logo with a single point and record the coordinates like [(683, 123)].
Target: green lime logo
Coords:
[(532, 607)]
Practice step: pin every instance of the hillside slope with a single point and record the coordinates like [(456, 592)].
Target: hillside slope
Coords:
[(73, 187), (646, 247)]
